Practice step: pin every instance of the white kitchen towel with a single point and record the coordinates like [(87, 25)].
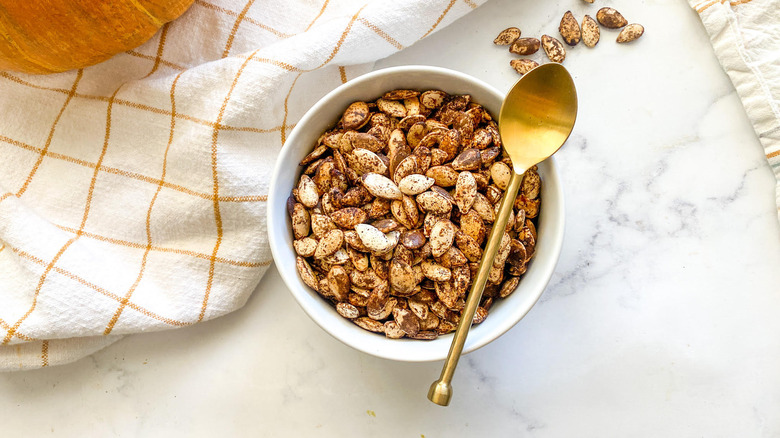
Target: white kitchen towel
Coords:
[(746, 37), (132, 193)]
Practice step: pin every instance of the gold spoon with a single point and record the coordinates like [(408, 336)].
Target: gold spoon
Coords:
[(536, 118)]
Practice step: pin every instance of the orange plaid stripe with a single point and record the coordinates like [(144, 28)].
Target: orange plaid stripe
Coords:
[(342, 38), (322, 10), (441, 17), (142, 107), (381, 33), (703, 6), (232, 35), (134, 175), (172, 65), (160, 47), (12, 330), (4, 325), (280, 64), (333, 53), (129, 294), (98, 289), (189, 253), (343, 74), (44, 354), (45, 149), (286, 111), (215, 176), (247, 19)]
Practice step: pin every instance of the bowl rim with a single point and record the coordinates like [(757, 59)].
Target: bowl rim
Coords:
[(312, 310)]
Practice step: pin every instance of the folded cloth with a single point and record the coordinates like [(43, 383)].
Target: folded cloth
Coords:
[(746, 37), (132, 193)]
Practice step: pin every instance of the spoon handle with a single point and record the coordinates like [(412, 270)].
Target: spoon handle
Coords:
[(441, 390)]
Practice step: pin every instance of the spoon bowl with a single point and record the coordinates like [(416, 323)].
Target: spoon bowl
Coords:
[(537, 115)]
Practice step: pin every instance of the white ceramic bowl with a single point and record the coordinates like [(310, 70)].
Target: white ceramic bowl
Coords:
[(322, 116)]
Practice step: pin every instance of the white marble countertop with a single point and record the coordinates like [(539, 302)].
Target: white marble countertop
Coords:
[(661, 319)]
